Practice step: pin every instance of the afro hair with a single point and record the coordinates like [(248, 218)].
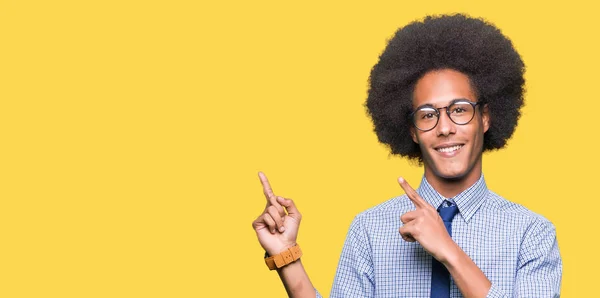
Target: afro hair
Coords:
[(468, 45)]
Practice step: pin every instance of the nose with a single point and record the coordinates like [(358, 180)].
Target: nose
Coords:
[(445, 125)]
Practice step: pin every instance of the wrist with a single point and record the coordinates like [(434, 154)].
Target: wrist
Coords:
[(275, 250), (283, 259)]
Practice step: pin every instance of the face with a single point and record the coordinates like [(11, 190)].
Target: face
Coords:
[(450, 151)]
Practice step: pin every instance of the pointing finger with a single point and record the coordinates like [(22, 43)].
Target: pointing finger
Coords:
[(267, 190), (412, 194)]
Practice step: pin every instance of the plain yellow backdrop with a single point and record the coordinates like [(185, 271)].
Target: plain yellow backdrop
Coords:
[(132, 133)]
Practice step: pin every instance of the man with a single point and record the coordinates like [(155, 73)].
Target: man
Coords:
[(444, 90)]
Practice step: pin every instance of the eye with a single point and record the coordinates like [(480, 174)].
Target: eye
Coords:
[(458, 110), (427, 115)]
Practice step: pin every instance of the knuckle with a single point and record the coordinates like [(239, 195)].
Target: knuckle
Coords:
[(416, 232), (267, 218), (277, 207)]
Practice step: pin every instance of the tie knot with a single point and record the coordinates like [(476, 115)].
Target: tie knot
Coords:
[(448, 210)]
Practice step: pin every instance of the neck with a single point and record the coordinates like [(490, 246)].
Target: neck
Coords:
[(450, 187)]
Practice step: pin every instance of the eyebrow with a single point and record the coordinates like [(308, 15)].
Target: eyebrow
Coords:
[(428, 105)]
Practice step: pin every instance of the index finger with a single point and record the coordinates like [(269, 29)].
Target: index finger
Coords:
[(267, 190), (412, 194)]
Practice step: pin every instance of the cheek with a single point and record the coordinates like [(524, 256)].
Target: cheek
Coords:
[(477, 138), (422, 139), (473, 135)]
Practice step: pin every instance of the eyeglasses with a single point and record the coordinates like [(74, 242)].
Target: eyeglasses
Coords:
[(460, 112)]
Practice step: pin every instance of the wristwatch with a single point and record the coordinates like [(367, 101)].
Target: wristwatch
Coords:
[(284, 258)]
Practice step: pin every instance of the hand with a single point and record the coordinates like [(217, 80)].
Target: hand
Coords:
[(276, 230), (425, 226)]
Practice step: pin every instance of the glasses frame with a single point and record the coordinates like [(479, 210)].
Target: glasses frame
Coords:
[(438, 113)]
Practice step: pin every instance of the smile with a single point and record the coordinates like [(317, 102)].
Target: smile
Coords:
[(449, 149)]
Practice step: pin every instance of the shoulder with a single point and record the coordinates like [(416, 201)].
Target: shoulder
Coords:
[(516, 213), (535, 234)]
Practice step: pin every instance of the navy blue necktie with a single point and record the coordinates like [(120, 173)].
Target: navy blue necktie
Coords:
[(440, 277)]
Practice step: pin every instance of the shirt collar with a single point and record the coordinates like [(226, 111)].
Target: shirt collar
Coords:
[(468, 201)]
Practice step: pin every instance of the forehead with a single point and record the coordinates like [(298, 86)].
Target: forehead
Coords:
[(440, 87)]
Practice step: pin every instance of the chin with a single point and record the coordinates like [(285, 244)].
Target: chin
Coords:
[(453, 171), (452, 175)]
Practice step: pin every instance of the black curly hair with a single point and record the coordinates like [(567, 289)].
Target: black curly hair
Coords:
[(468, 45)]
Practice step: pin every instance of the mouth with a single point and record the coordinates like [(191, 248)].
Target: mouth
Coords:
[(450, 149)]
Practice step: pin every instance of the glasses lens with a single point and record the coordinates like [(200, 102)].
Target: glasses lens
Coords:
[(461, 112), (426, 118)]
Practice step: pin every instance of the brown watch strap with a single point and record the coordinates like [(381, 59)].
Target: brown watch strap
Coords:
[(286, 257)]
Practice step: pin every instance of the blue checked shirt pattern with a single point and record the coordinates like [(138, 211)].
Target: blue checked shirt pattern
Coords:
[(515, 248)]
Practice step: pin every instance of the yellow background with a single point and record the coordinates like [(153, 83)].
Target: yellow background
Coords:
[(132, 133)]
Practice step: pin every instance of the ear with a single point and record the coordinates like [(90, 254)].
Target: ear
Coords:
[(413, 134), (485, 117)]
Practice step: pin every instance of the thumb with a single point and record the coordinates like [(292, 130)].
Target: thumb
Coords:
[(290, 207)]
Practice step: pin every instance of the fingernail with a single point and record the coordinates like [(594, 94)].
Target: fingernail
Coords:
[(273, 231), (401, 180), (282, 229)]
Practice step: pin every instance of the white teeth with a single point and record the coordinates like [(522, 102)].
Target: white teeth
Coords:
[(449, 149)]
